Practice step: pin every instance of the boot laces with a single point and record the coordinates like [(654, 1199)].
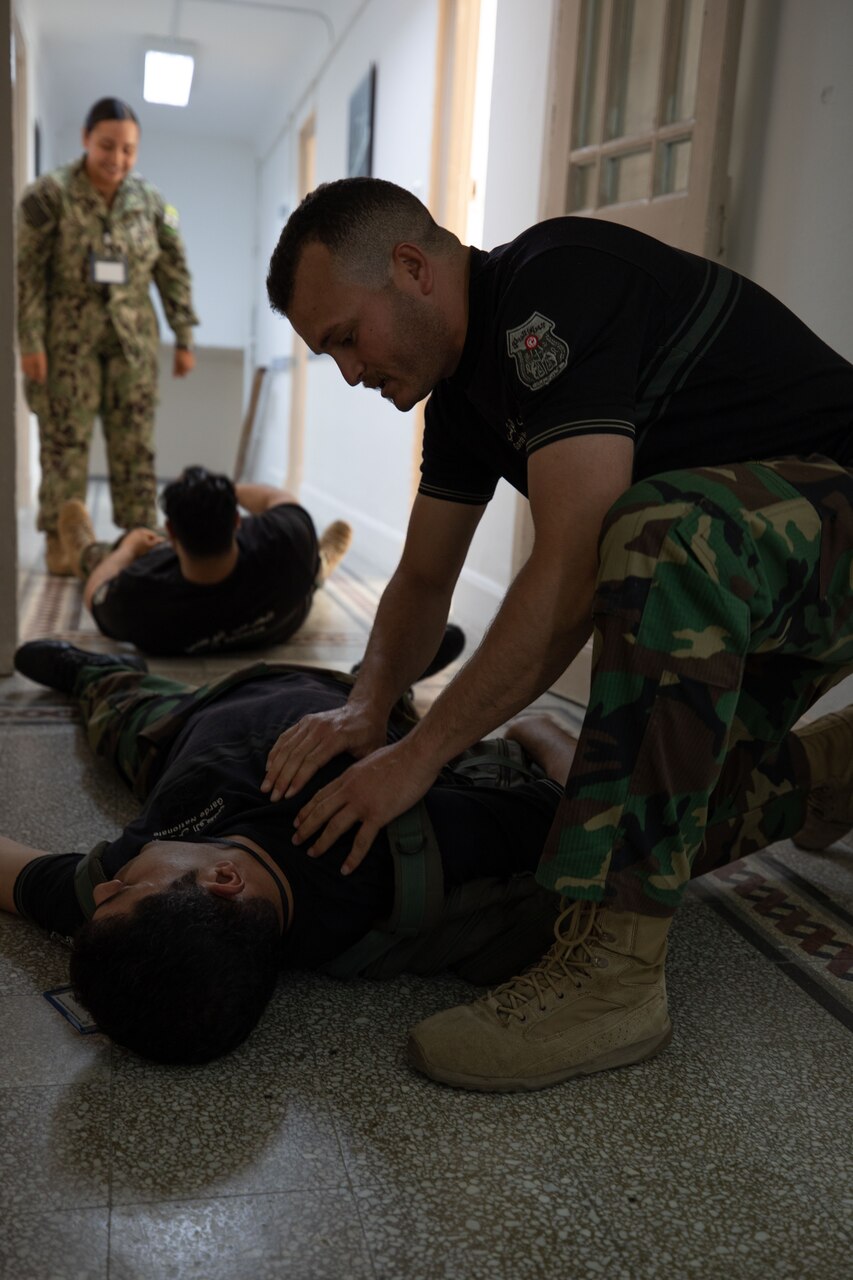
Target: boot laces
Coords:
[(570, 958), (828, 804)]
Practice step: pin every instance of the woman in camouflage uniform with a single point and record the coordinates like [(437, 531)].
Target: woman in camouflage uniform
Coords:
[(91, 238)]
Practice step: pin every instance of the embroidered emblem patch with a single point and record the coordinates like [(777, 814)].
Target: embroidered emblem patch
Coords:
[(170, 217), (538, 353)]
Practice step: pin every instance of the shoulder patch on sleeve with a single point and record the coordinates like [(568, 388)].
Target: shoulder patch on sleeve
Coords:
[(36, 211), (539, 354), (170, 217)]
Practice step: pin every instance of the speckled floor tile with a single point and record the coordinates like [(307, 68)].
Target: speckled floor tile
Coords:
[(301, 1234), (777, 1086), (55, 1246), (642, 1223), (179, 1138), (40, 1047), (29, 961), (55, 796), (739, 1223), (314, 1151), (55, 1151)]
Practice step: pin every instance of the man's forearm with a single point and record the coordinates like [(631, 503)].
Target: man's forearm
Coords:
[(112, 565), (13, 858), (257, 498), (533, 638), (406, 633)]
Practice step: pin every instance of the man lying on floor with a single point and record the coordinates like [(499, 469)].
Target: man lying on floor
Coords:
[(220, 582), (180, 926)]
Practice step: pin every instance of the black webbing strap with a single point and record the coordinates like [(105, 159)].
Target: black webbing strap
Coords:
[(418, 874), (418, 893), (507, 754), (87, 874)]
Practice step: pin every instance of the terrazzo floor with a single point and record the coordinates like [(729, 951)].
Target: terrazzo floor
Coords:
[(313, 1152)]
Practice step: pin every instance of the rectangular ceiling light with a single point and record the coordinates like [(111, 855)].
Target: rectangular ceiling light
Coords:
[(168, 77)]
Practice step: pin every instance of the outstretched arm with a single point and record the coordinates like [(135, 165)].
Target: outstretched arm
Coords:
[(258, 498), (134, 544), (13, 858)]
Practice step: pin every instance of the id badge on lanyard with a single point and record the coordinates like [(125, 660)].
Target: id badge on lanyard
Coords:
[(108, 267)]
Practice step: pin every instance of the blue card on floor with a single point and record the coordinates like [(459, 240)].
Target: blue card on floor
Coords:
[(62, 998)]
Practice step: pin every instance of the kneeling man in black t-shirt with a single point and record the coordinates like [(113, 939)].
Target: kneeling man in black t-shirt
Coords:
[(180, 926), (218, 582)]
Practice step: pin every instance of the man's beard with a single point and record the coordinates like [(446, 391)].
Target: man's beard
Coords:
[(421, 344)]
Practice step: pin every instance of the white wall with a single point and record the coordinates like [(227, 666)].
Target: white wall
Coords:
[(358, 449), (358, 456), (791, 221), (513, 184)]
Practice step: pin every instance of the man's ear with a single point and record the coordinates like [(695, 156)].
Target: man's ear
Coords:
[(222, 879), (171, 533), (410, 267)]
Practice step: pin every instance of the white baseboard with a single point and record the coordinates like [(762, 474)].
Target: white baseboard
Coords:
[(375, 545)]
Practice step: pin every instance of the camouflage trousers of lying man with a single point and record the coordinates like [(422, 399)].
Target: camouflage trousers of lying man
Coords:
[(722, 612)]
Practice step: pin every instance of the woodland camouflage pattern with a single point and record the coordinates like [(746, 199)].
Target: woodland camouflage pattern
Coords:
[(101, 340), (722, 612)]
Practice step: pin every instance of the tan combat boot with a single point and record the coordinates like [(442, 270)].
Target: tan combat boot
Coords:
[(55, 557), (76, 533), (334, 544), (596, 1000), (828, 744)]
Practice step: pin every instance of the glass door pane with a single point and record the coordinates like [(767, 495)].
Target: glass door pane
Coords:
[(682, 61), (636, 49)]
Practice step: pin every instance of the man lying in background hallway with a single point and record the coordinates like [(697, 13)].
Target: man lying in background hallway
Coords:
[(219, 582)]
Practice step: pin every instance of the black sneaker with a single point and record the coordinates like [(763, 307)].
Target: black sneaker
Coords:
[(452, 644), (57, 663)]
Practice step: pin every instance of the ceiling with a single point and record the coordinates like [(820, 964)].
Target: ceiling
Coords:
[(254, 60)]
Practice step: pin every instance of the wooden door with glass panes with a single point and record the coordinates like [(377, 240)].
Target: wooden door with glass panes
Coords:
[(641, 115)]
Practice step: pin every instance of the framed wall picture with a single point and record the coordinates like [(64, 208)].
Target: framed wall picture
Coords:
[(361, 105)]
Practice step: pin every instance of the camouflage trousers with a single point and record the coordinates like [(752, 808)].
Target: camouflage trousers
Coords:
[(82, 383), (723, 609)]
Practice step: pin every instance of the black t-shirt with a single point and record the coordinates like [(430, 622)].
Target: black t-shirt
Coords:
[(210, 787), (580, 327), (262, 601)]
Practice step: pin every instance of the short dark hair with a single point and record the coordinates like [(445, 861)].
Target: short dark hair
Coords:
[(359, 220), (201, 507), (184, 977), (109, 109)]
